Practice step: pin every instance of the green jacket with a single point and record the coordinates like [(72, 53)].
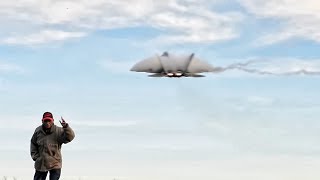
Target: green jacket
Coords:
[(45, 148)]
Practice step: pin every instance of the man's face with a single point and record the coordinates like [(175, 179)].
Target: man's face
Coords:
[(47, 123)]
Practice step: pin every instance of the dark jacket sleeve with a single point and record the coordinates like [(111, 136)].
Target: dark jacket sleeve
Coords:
[(34, 151), (67, 135)]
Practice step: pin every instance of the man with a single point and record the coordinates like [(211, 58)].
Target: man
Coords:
[(46, 145)]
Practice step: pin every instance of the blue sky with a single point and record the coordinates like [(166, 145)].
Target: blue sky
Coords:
[(73, 58)]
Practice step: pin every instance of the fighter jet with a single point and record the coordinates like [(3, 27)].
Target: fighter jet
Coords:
[(173, 66)]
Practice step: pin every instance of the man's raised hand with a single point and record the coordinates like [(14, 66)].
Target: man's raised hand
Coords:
[(63, 122)]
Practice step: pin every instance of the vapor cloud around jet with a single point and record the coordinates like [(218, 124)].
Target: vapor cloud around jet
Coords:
[(171, 65)]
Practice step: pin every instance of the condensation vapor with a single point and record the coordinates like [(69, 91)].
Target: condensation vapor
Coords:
[(244, 67)]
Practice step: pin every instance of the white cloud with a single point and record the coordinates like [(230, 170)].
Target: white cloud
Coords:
[(42, 37), (301, 19), (283, 8), (196, 26), (9, 67), (183, 20)]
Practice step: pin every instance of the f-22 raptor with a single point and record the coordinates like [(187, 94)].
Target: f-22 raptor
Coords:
[(173, 66)]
